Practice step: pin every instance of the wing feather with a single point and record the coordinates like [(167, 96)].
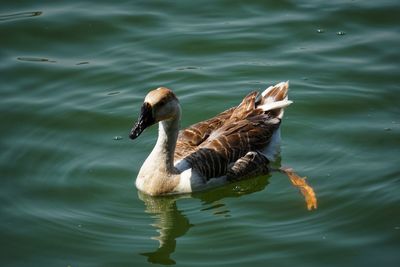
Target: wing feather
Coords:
[(230, 143), (190, 138), (212, 145)]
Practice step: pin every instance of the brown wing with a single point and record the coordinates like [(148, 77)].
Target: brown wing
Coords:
[(246, 108), (231, 142), (190, 138)]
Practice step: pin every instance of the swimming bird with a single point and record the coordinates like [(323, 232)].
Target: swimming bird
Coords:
[(236, 144)]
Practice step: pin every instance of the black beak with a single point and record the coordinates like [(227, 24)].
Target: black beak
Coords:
[(145, 120)]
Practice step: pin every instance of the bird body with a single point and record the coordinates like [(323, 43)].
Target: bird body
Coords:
[(236, 144)]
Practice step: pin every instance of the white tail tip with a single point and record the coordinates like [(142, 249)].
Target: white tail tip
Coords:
[(282, 86)]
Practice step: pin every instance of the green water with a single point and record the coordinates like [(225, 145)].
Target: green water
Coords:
[(73, 75)]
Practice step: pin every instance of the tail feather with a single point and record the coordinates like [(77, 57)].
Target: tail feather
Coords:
[(275, 105), (275, 98), (276, 92)]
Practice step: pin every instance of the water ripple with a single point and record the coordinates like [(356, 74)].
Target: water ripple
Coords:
[(74, 79), (20, 15)]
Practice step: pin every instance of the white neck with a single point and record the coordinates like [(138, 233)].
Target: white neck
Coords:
[(164, 150), (158, 173)]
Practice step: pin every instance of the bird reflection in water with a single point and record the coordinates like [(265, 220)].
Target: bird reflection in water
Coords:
[(171, 222)]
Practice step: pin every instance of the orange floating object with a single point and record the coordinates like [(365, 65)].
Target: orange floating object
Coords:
[(305, 189)]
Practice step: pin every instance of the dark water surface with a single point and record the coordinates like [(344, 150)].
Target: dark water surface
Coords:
[(73, 75)]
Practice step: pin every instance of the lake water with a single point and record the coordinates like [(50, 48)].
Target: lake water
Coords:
[(73, 75)]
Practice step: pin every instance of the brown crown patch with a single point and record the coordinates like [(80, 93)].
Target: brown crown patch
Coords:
[(160, 96)]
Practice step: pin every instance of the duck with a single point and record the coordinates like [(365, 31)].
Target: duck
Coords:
[(236, 144)]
